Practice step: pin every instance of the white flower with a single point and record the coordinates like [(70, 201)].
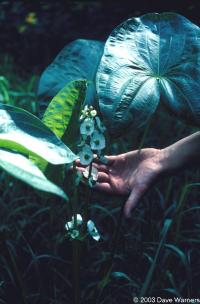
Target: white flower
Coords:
[(100, 125), (93, 113), (84, 112), (97, 141), (87, 126), (79, 219), (92, 230), (70, 225), (94, 173), (86, 155), (74, 234)]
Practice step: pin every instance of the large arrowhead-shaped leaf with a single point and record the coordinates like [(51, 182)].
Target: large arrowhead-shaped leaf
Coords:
[(156, 55), (77, 60), (23, 169), (25, 133)]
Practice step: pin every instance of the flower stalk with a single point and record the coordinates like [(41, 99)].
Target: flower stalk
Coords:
[(92, 141), (75, 244), (107, 268)]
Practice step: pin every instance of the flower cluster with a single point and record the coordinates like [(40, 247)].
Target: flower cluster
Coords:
[(92, 137), (74, 229), (31, 18)]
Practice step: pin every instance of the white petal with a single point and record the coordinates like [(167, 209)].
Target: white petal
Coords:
[(94, 173), (69, 225), (86, 155), (74, 234), (97, 141), (96, 237), (87, 126), (90, 226), (100, 125), (92, 230), (78, 218), (93, 113)]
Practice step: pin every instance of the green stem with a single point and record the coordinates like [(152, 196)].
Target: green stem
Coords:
[(179, 209), (75, 244), (76, 271), (75, 196), (108, 267), (117, 233), (5, 93), (87, 199)]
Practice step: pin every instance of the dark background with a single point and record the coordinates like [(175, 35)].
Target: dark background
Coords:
[(34, 45)]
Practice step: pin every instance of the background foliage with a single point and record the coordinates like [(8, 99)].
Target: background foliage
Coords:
[(35, 254)]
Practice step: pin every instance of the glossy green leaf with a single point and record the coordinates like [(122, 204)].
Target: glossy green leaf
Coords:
[(58, 114), (147, 60), (22, 168), (77, 60), (25, 133), (62, 117)]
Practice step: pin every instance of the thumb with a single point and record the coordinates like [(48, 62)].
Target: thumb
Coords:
[(133, 199)]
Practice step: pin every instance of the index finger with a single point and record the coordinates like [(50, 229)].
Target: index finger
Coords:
[(109, 158)]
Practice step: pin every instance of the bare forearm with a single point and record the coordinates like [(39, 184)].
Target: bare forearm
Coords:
[(183, 154)]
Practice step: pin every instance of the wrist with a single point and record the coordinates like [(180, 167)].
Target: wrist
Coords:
[(169, 160), (182, 154)]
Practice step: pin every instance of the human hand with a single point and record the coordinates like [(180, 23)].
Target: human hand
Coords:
[(129, 174)]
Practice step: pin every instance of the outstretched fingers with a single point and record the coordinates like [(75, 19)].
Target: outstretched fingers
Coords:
[(133, 199), (103, 187), (110, 159), (101, 176), (101, 167)]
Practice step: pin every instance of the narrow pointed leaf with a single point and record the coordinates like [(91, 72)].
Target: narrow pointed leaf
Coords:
[(156, 55), (25, 133), (22, 168), (148, 279)]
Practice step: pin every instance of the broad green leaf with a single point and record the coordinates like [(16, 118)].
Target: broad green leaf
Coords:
[(58, 114), (77, 60), (147, 60), (22, 168), (25, 133), (61, 116)]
